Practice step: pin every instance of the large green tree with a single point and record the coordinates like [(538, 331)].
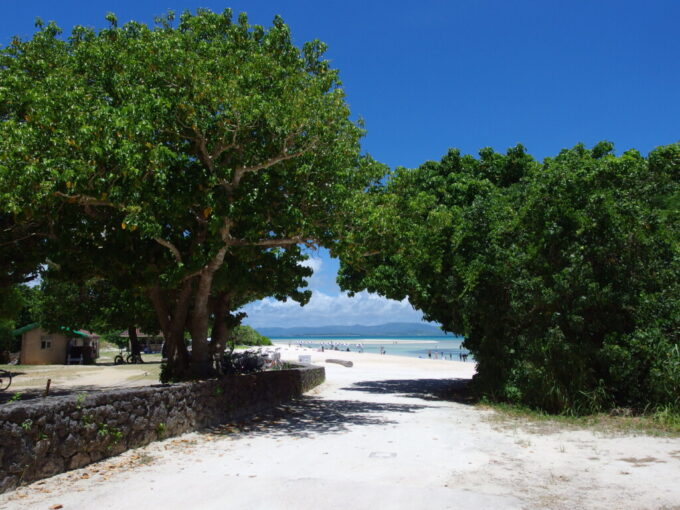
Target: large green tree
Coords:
[(96, 305), (562, 276), (22, 249), (167, 154)]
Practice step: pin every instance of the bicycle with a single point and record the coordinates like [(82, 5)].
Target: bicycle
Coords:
[(130, 358), (5, 379), (119, 359), (134, 358)]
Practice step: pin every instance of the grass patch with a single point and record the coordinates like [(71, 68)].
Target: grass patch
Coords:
[(663, 422)]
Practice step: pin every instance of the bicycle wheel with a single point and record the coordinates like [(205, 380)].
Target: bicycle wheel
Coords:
[(135, 358), (5, 379), (119, 360)]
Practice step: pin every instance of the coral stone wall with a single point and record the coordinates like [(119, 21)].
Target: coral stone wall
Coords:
[(44, 437)]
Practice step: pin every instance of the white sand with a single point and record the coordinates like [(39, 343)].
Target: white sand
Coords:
[(372, 437), (353, 341)]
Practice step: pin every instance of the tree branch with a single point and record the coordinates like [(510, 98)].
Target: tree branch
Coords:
[(203, 155), (87, 200), (161, 309), (282, 156), (272, 243), (241, 171), (19, 239), (171, 247), (222, 146), (192, 275)]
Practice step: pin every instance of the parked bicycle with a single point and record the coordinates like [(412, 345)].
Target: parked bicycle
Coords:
[(120, 359), (5, 379), (134, 358)]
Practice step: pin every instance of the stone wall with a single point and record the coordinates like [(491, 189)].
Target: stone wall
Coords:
[(44, 437)]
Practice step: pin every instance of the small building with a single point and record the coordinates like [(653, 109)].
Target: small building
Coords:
[(148, 343), (68, 346)]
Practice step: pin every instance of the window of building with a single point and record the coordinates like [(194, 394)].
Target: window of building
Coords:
[(45, 342)]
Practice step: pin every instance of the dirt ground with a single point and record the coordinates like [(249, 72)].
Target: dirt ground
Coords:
[(30, 381)]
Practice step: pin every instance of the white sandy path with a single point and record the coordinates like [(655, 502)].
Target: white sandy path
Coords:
[(372, 438)]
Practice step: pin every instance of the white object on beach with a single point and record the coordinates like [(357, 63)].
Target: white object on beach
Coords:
[(305, 358)]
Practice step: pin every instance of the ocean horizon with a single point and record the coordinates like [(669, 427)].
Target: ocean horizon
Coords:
[(409, 346)]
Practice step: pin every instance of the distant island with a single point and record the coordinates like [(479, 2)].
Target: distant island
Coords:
[(407, 329)]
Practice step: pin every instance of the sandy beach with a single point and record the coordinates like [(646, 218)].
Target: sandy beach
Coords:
[(354, 341), (385, 433)]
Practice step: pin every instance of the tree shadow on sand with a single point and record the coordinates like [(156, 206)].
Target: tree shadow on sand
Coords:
[(450, 390), (308, 416)]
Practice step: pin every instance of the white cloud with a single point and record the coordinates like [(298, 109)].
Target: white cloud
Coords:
[(322, 309), (318, 277), (314, 263)]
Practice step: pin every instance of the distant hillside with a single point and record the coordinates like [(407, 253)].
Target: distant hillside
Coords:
[(391, 329)]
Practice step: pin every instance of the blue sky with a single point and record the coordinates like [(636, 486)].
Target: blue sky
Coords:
[(431, 75)]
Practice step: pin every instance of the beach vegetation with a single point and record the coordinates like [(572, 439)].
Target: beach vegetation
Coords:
[(563, 275), (665, 421), (247, 336)]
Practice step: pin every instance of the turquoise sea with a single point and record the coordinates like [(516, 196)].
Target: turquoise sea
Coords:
[(415, 346)]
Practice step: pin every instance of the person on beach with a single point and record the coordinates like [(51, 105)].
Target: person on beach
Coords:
[(429, 354)]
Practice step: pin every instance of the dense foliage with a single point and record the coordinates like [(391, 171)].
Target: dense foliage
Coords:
[(17, 309), (190, 160), (245, 335), (564, 277), (95, 305)]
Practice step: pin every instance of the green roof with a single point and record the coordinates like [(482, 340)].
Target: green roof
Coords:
[(33, 325), (27, 327)]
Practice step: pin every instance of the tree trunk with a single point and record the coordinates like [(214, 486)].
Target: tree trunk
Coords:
[(201, 353), (173, 326), (135, 348), (88, 358), (220, 331), (200, 364)]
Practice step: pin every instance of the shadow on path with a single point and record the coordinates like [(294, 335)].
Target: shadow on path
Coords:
[(450, 390), (309, 416)]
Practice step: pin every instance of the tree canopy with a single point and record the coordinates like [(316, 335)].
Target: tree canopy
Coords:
[(179, 157), (562, 276)]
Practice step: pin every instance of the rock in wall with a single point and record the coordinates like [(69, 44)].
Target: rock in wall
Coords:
[(44, 437)]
